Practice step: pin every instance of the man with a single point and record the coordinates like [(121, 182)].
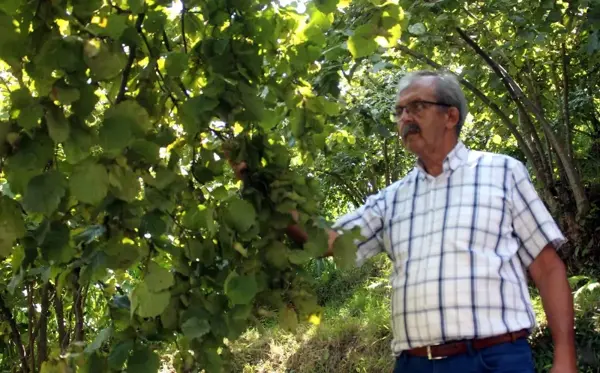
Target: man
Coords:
[(461, 228)]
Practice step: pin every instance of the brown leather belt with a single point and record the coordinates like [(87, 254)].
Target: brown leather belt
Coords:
[(461, 347)]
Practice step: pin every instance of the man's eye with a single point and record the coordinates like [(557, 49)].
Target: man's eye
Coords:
[(418, 106)]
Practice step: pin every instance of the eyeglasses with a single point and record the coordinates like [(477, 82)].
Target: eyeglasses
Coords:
[(416, 107)]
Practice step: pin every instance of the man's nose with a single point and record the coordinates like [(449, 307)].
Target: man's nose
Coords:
[(404, 117)]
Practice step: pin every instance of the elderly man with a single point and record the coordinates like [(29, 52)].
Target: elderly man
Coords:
[(461, 229)]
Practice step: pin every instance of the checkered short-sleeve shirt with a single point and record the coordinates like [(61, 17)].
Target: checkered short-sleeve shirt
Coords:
[(460, 243)]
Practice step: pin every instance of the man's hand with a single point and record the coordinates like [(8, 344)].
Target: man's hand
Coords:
[(558, 367), (550, 277)]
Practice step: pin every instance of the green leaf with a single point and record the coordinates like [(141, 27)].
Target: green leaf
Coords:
[(105, 61), (155, 21), (153, 224), (136, 6), (115, 135), (169, 317), (56, 247), (344, 251), (89, 183), (10, 7), (240, 289), (194, 113), (326, 6), (195, 328), (119, 354), (417, 29), (83, 107), (121, 254), (102, 337), (199, 217), (145, 150), (44, 192), (143, 360), (317, 242), (78, 145), (65, 95), (58, 127), (12, 225), (125, 183), (299, 257), (288, 319), (158, 278), (147, 303), (277, 254), (85, 8), (131, 113), (115, 25), (176, 63), (29, 117), (94, 363), (361, 46), (240, 214)]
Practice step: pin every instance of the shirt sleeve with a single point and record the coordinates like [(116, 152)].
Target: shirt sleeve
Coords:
[(369, 218), (532, 222)]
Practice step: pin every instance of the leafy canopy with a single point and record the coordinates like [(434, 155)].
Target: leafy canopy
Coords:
[(119, 118)]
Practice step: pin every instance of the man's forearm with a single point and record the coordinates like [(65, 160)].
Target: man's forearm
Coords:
[(558, 306)]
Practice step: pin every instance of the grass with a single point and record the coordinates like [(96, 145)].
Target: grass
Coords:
[(354, 334)]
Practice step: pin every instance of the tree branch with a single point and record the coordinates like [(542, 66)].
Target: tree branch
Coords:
[(14, 334), (567, 114), (183, 37), (130, 61), (521, 100), (356, 196)]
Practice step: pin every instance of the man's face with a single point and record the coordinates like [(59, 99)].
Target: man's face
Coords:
[(421, 124)]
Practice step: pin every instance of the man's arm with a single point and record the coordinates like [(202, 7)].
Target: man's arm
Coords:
[(550, 277)]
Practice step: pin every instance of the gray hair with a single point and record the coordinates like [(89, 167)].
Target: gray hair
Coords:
[(447, 90)]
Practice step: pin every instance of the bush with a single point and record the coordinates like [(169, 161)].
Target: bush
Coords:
[(587, 328)]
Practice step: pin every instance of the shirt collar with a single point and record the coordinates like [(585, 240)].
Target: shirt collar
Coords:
[(453, 160)]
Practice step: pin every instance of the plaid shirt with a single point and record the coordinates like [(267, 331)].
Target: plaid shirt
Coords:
[(459, 243)]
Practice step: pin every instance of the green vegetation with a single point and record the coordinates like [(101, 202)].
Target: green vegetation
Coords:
[(126, 243), (354, 334)]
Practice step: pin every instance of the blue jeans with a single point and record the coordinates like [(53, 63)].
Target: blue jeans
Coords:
[(511, 357)]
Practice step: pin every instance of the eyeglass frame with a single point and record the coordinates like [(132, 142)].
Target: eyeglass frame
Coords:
[(397, 114)]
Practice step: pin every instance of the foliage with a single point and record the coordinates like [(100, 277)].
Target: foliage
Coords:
[(117, 119), (354, 332)]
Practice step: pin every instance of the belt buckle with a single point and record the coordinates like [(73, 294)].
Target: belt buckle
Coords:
[(431, 357)]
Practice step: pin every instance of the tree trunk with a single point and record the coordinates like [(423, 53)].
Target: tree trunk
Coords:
[(78, 306), (14, 335), (63, 336), (386, 159), (32, 322), (42, 333)]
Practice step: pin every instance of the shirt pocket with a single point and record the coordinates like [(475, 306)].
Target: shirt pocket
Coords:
[(490, 227)]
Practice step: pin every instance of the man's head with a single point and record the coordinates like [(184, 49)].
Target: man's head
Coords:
[(430, 111)]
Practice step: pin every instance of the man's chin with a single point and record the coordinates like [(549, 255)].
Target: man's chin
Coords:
[(412, 143)]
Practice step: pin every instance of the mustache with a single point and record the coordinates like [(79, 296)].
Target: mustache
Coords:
[(410, 128)]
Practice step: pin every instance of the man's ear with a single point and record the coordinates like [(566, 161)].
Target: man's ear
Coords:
[(453, 117)]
